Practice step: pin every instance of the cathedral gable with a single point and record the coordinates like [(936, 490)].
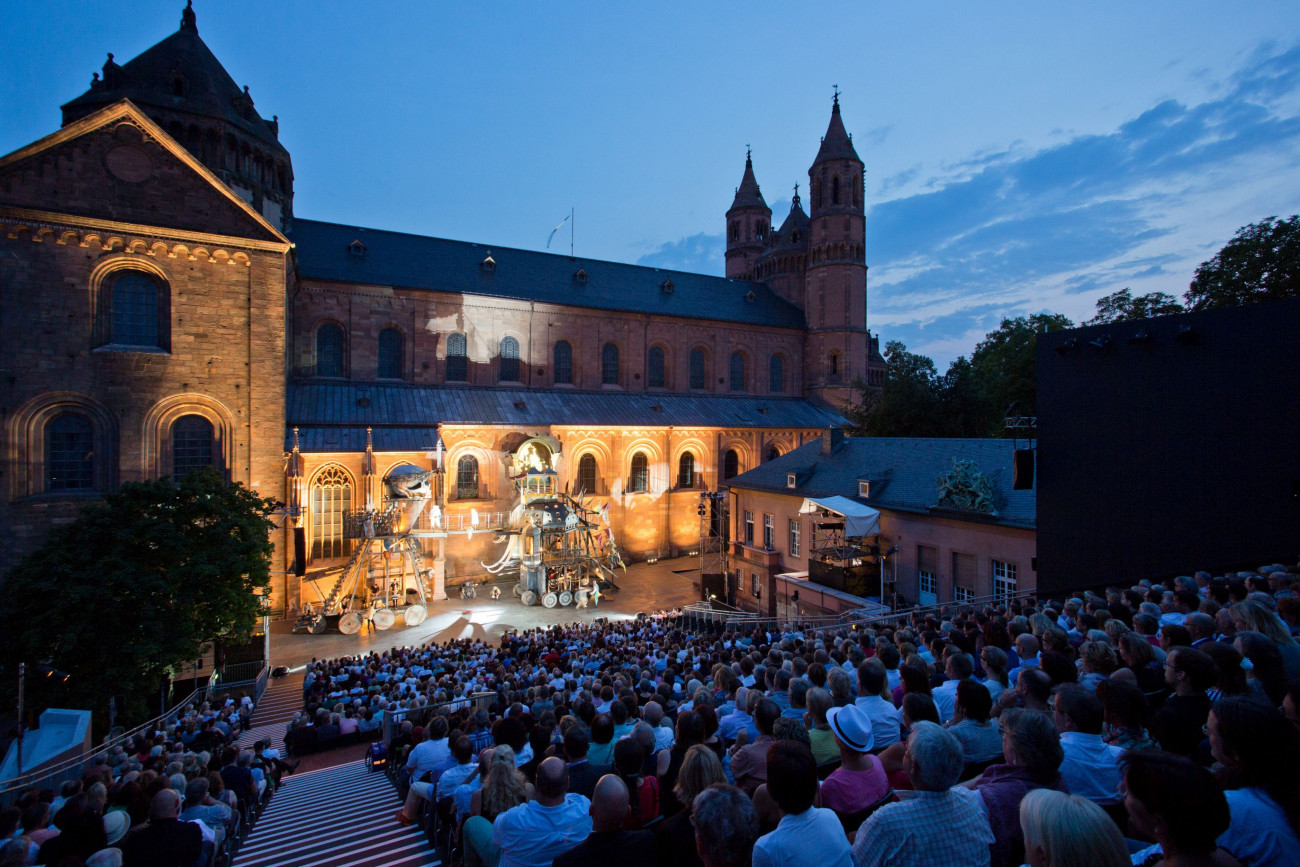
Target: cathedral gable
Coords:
[(118, 165)]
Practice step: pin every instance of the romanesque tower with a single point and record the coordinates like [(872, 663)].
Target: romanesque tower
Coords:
[(749, 222), (835, 296)]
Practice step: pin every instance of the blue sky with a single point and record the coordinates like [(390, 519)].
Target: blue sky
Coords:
[(1020, 156)]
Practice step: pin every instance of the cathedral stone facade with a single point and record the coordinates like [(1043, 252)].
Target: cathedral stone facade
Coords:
[(162, 307)]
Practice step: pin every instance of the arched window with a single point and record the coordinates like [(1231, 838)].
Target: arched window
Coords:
[(467, 478), (457, 360), (137, 311), (776, 375), (857, 191), (329, 350), (192, 438), (390, 354), (730, 464), (737, 371), (587, 475), (331, 499), (609, 364), (697, 368), (509, 360), (686, 470), (563, 362), (640, 478), (70, 453), (835, 190), (835, 367), (654, 377), (772, 454)]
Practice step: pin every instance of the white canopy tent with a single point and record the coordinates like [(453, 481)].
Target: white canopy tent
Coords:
[(859, 520)]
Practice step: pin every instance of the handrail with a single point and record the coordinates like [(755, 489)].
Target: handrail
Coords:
[(394, 719), (70, 768), (852, 619)]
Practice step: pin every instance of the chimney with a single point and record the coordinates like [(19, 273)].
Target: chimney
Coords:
[(831, 439)]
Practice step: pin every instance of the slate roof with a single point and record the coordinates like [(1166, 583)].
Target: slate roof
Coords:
[(146, 80), (903, 473), (836, 144), (417, 262), (329, 414)]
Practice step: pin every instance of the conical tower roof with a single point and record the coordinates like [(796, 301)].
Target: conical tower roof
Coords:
[(793, 233), (180, 74), (747, 194), (836, 144)]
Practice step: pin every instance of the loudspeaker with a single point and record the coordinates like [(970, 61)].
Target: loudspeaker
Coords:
[(1023, 470), (300, 551)]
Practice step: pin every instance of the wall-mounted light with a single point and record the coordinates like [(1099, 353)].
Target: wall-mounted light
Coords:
[(1141, 337), (1067, 347)]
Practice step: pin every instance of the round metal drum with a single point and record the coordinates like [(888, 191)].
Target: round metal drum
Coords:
[(518, 591), (415, 614), (550, 600), (566, 598), (384, 618), (350, 623), (529, 598)]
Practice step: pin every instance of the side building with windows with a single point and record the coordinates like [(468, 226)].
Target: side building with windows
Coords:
[(947, 505)]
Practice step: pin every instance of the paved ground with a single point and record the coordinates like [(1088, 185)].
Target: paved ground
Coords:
[(644, 587)]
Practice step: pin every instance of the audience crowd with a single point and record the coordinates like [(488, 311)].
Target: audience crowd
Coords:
[(1154, 724)]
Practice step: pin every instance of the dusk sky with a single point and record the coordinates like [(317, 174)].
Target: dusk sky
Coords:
[(1020, 157)]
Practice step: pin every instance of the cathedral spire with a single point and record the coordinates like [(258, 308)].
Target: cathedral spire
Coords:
[(748, 194), (837, 144)]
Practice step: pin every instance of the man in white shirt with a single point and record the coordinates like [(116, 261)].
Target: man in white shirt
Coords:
[(886, 720), (1091, 767), (958, 668), (532, 834)]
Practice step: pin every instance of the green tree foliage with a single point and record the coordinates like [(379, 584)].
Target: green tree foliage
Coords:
[(909, 404), (1260, 263), (1121, 306), (1005, 364), (134, 587)]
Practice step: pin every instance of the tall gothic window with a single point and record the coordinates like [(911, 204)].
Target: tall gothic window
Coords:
[(776, 375), (138, 311), (390, 354), (457, 359), (640, 479), (331, 499), (654, 377), (730, 464), (563, 362), (835, 190), (509, 360), (697, 368), (737, 371), (192, 438), (686, 470), (329, 350), (467, 478), (609, 364), (587, 474), (70, 453)]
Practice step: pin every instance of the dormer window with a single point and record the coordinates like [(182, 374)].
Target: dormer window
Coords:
[(580, 276), (356, 248), (791, 480), (667, 287), (864, 489), (488, 263)]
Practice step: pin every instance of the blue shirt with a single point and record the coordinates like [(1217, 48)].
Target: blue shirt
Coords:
[(813, 837)]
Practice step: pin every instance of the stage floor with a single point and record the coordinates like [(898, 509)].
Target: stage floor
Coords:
[(645, 587)]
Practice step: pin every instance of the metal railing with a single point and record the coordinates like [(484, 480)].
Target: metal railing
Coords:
[(857, 618), (716, 613), (53, 776), (421, 715)]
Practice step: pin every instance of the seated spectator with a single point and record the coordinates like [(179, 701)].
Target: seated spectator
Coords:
[(609, 842), (994, 661), (238, 778), (534, 833), (936, 823), (1253, 616), (860, 781), (653, 714), (200, 806), (981, 740), (806, 835), (1139, 658), (1091, 767), (726, 827), (886, 720), (749, 761), (1266, 676), (583, 775), (1063, 830), (1178, 722), (958, 668), (676, 836), (166, 840), (1126, 715), (824, 747), (1259, 752), (1178, 804), (1032, 750), (423, 760), (1096, 663), (690, 732), (601, 751), (643, 788)]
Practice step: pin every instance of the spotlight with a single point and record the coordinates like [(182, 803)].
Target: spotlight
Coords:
[(1187, 336), (1068, 346), (1100, 342), (1140, 337)]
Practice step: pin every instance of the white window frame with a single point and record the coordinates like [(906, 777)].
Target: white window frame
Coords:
[(754, 589), (927, 582), (769, 532), (962, 594), (749, 528), (1005, 575), (864, 489), (796, 537), (791, 481)]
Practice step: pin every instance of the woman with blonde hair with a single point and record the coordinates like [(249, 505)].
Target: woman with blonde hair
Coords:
[(676, 835), (1251, 616), (1069, 831), (504, 788)]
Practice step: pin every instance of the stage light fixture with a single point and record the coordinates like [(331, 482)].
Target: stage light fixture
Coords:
[(1141, 337)]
